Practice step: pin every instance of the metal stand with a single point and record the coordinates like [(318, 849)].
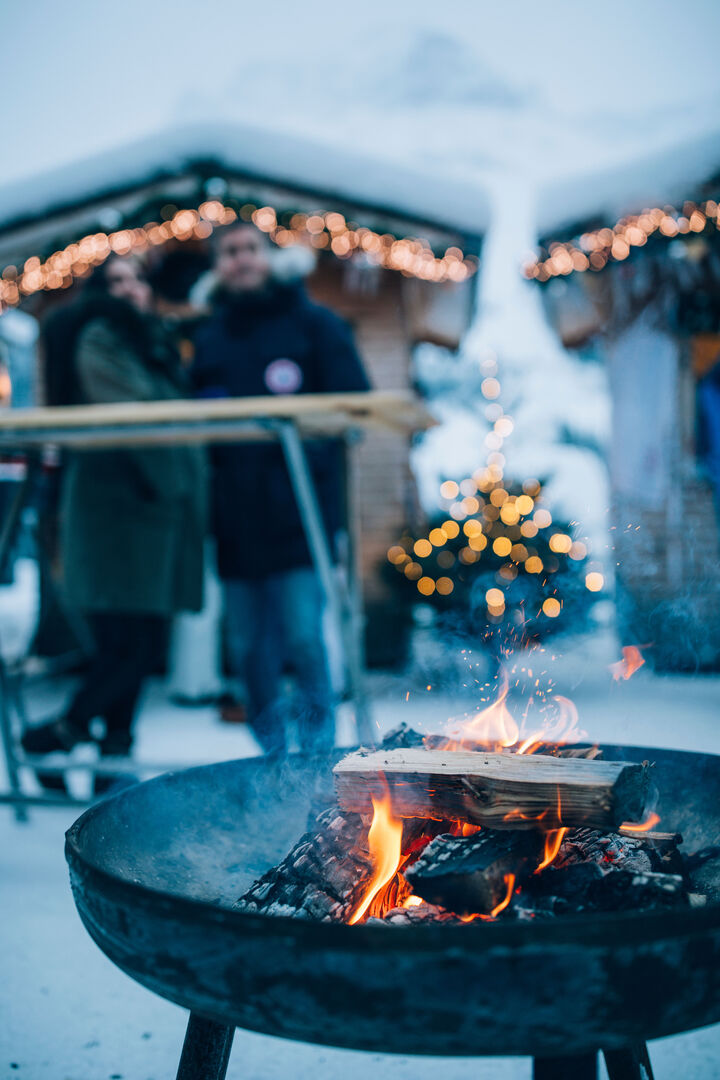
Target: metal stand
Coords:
[(580, 1067), (632, 1063), (206, 1053), (206, 1050)]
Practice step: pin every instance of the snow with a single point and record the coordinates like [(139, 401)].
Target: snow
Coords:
[(670, 174), (69, 1014), (328, 168), (560, 406)]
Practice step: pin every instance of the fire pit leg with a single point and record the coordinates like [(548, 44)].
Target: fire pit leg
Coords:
[(580, 1067), (206, 1050), (632, 1063)]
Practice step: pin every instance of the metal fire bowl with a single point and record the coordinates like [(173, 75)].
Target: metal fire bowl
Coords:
[(156, 869)]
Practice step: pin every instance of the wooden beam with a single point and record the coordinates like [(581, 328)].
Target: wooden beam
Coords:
[(497, 790), (210, 420)]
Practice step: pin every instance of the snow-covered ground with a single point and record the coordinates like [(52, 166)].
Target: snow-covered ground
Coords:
[(69, 1014)]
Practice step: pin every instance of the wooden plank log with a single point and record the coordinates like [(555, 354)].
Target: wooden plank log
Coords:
[(469, 874), (496, 790), (209, 420)]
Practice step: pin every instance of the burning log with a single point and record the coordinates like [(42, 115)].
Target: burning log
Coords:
[(469, 874), (606, 850), (606, 872), (327, 873), (497, 790), (322, 877)]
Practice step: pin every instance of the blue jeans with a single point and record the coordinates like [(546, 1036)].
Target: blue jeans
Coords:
[(272, 621)]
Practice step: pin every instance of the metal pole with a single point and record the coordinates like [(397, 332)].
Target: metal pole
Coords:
[(356, 615), (336, 590), (306, 496)]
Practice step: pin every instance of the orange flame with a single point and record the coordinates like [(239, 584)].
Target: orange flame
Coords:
[(517, 815), (631, 661), (385, 846), (553, 839), (509, 880), (492, 727), (645, 826), (564, 728)]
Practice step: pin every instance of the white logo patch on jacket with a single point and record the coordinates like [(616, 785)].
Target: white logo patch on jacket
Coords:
[(283, 376)]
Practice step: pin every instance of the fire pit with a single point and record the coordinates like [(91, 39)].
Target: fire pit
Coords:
[(157, 871)]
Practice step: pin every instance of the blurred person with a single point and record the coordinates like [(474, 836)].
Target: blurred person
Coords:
[(265, 336), (132, 520), (709, 428)]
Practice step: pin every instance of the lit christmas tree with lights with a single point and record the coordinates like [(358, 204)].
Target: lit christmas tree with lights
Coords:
[(502, 552)]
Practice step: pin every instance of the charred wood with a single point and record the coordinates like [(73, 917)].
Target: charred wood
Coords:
[(587, 887), (324, 875), (468, 874), (321, 878)]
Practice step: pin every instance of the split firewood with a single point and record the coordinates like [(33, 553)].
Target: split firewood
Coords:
[(325, 875), (469, 874), (588, 752), (660, 841), (322, 877), (402, 736), (497, 790), (609, 851)]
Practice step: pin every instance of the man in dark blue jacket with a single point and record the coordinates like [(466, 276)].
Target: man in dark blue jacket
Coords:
[(265, 337)]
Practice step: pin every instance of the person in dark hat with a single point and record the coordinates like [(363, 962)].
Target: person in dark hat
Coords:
[(265, 336)]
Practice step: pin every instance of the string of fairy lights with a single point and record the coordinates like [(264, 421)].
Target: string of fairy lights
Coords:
[(491, 518), (329, 231), (593, 250)]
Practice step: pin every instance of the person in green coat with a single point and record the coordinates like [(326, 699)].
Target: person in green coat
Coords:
[(132, 521)]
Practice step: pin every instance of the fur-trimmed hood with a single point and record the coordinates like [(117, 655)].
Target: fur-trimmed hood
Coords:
[(60, 333)]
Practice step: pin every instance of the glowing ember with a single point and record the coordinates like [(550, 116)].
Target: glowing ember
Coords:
[(384, 843), (631, 661), (413, 901), (645, 826)]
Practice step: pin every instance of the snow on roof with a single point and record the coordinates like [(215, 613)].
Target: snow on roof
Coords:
[(667, 176), (270, 156)]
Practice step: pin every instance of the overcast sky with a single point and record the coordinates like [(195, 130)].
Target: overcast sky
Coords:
[(84, 76)]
